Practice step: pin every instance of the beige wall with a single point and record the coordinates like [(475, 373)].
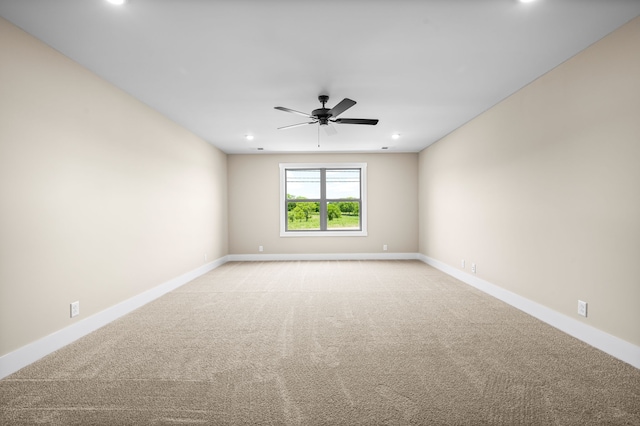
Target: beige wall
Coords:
[(254, 209), (101, 197), (543, 190)]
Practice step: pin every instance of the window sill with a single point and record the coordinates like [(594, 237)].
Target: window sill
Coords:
[(324, 234)]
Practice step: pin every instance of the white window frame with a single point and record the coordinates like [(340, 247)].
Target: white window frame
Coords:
[(318, 233)]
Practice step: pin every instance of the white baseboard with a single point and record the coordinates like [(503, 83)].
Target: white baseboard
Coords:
[(607, 343), (320, 256), (20, 358)]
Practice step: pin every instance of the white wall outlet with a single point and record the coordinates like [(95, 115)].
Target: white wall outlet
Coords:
[(260, 248), (582, 308), (473, 268), (205, 257), (75, 309), (384, 247), (462, 263)]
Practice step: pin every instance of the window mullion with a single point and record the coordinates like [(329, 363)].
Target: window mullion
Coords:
[(323, 199)]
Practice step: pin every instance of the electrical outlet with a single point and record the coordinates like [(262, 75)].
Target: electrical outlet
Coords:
[(75, 309), (582, 308), (260, 248), (205, 257), (462, 263), (384, 247), (473, 268)]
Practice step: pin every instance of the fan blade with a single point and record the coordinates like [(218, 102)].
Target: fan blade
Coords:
[(330, 130), (344, 105), (297, 125), (356, 121), (293, 111)]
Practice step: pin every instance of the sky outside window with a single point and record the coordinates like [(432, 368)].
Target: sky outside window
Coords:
[(343, 183), (303, 183), (340, 183)]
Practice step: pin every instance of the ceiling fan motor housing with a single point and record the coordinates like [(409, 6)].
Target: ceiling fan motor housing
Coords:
[(322, 114)]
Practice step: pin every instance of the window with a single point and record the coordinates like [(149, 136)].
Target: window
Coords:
[(327, 199)]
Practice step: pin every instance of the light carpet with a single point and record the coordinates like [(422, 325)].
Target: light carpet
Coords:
[(325, 343)]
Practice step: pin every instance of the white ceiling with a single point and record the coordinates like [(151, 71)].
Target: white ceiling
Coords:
[(218, 68)]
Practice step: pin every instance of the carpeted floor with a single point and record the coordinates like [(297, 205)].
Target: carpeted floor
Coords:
[(325, 343)]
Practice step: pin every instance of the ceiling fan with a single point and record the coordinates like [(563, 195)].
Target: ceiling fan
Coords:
[(324, 116)]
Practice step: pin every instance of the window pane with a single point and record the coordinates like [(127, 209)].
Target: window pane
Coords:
[(343, 184), (343, 215), (303, 216), (303, 184)]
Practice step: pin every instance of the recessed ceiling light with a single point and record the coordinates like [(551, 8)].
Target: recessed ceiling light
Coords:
[(526, 1), (249, 137), (118, 2), (395, 136)]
